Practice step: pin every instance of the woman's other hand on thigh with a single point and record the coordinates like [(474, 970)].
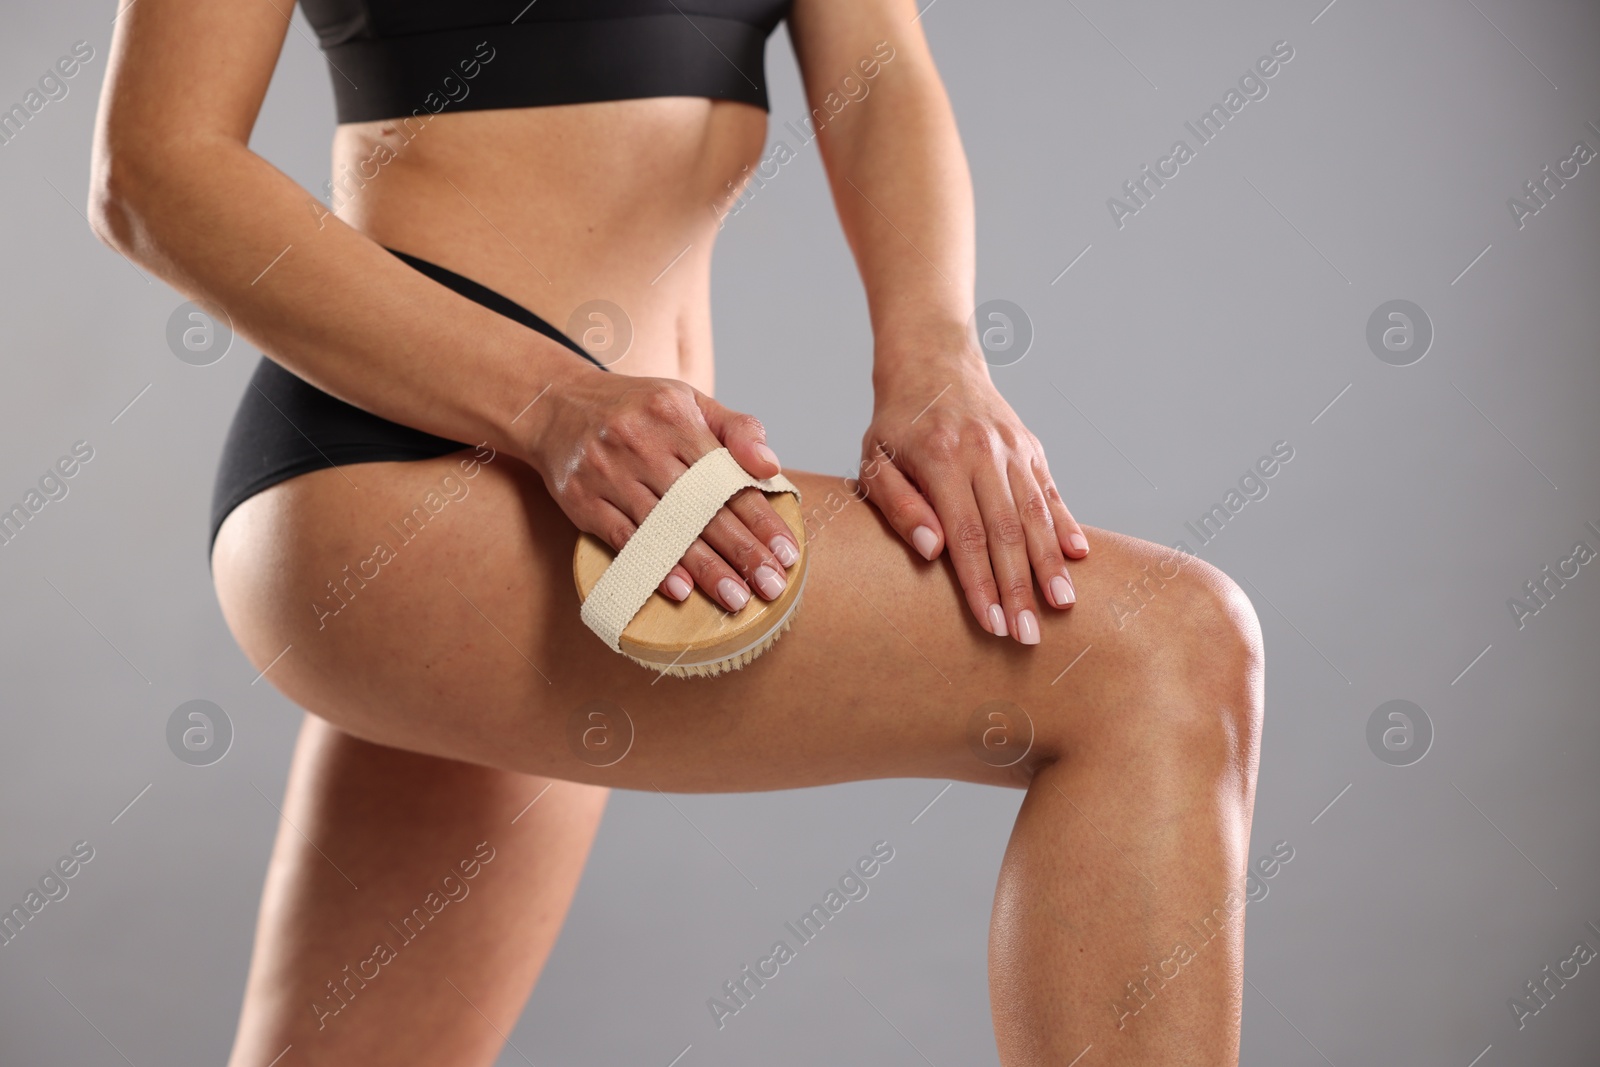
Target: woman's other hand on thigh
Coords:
[(951, 466)]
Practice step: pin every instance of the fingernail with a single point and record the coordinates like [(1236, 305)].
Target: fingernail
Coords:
[(925, 540), (1079, 542), (1027, 627), (768, 454), (733, 595), (785, 550), (1061, 591), (677, 588), (769, 581), (997, 620)]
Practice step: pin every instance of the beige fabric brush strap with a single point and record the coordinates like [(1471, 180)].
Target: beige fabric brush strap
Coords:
[(665, 535)]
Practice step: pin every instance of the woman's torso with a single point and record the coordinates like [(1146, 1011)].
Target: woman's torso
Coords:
[(558, 206)]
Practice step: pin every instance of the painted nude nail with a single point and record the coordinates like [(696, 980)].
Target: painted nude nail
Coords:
[(1061, 591), (925, 540), (769, 581), (785, 550), (677, 588), (768, 454), (997, 620), (733, 595), (1079, 542), (1027, 627)]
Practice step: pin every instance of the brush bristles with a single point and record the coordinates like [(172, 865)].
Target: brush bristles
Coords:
[(722, 666)]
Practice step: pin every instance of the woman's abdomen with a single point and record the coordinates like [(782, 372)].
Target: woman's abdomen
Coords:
[(597, 217)]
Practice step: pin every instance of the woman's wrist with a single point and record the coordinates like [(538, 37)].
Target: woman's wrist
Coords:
[(932, 354), (547, 373)]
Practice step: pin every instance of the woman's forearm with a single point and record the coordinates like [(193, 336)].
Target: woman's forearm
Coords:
[(904, 197), (945, 458), (226, 228)]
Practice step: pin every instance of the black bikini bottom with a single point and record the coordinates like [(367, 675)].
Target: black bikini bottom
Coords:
[(286, 426)]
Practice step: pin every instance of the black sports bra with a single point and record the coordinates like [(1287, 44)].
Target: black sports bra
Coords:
[(391, 59)]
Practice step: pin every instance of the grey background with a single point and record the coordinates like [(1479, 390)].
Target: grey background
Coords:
[(1224, 317)]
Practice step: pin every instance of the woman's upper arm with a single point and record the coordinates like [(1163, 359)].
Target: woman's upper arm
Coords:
[(185, 70), (836, 39)]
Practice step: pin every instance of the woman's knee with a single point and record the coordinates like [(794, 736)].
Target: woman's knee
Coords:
[(1207, 673), (1180, 674), (1222, 629), (1226, 666)]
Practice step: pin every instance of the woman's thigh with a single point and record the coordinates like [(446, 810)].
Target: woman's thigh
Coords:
[(416, 607)]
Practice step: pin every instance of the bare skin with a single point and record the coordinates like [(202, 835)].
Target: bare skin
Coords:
[(450, 690), (1139, 777)]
